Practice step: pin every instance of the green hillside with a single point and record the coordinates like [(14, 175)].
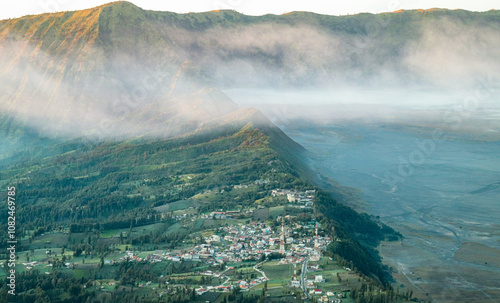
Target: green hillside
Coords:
[(121, 145), (92, 200)]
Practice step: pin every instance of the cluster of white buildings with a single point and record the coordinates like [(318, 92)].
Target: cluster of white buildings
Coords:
[(30, 265), (242, 284), (252, 241), (237, 243), (330, 297), (304, 199)]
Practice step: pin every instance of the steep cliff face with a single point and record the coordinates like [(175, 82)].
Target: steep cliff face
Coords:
[(113, 71), (93, 71), (101, 102), (119, 48)]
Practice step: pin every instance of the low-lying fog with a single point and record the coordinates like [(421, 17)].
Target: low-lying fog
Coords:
[(476, 109)]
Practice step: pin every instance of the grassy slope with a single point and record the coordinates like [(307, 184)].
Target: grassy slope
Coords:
[(117, 181), (84, 175), (80, 174)]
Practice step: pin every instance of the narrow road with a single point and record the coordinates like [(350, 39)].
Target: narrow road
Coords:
[(260, 271), (302, 278), (227, 280)]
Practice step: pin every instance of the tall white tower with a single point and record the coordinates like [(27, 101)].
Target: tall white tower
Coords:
[(294, 282), (295, 271)]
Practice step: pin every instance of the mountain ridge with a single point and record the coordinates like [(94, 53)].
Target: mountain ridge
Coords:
[(115, 3), (113, 122), (117, 60), (102, 31)]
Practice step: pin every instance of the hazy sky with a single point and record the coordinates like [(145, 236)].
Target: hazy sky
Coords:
[(13, 9)]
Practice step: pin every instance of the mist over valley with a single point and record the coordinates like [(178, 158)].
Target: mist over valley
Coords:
[(148, 125)]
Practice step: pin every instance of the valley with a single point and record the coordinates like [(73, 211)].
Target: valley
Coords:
[(434, 182), (219, 157), (446, 209)]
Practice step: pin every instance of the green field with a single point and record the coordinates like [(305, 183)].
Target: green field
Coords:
[(279, 275)]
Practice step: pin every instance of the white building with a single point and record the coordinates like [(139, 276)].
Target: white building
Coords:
[(319, 279)]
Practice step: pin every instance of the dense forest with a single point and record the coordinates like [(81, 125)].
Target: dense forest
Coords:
[(88, 189)]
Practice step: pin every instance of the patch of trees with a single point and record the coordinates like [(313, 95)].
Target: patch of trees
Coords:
[(371, 293), (357, 235), (31, 286), (361, 225)]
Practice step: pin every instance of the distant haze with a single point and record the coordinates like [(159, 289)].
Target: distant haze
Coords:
[(133, 68)]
